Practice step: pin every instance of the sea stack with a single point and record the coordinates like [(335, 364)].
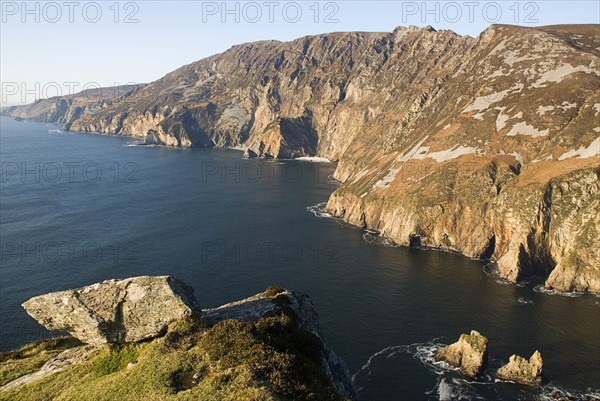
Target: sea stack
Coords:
[(469, 354), (520, 370)]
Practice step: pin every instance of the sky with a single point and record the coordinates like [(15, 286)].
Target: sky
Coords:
[(60, 47)]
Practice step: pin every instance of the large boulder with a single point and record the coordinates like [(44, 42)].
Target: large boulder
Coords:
[(116, 311), (521, 370), (469, 354)]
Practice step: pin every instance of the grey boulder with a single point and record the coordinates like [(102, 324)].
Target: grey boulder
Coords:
[(116, 311)]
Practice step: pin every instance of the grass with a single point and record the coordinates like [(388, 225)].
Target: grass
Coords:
[(31, 357), (268, 360), (477, 342)]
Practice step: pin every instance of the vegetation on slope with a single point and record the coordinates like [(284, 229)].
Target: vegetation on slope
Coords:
[(270, 359)]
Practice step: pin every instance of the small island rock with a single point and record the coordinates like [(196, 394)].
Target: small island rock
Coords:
[(469, 354), (520, 370)]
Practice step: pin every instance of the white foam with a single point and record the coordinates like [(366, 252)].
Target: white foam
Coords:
[(373, 237), (133, 143), (543, 290), (242, 148), (523, 301), (445, 391), (314, 159), (551, 393), (318, 210)]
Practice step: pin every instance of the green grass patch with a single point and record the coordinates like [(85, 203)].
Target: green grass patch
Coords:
[(269, 360)]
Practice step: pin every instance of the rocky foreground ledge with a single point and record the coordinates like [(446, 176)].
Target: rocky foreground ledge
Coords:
[(147, 338)]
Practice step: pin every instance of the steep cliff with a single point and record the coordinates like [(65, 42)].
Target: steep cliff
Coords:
[(485, 146), (68, 108)]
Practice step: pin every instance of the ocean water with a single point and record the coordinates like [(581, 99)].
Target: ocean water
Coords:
[(78, 208)]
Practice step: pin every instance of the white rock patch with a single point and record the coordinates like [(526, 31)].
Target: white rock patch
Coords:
[(501, 119), (558, 74), (523, 128), (393, 172), (541, 110), (583, 153), (484, 102), (444, 155), (511, 58)]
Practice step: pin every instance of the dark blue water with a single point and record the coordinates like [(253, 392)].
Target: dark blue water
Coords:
[(77, 209)]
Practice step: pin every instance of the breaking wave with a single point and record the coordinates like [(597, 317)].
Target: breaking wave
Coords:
[(319, 210), (543, 290), (373, 237), (447, 387)]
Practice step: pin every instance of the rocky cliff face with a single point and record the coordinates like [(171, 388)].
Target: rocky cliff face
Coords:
[(486, 146), (66, 109)]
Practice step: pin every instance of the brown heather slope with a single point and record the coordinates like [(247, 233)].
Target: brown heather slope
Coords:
[(489, 146)]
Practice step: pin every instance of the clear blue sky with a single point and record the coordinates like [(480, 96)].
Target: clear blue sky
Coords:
[(52, 42)]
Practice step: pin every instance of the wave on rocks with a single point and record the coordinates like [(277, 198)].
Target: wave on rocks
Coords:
[(451, 386), (139, 144), (543, 290), (55, 131), (447, 387), (313, 159), (319, 210), (554, 393), (373, 237), (523, 301)]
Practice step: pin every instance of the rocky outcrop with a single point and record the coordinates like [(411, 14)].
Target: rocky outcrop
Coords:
[(486, 146), (116, 311), (520, 370), (469, 354), (281, 325), (280, 301), (59, 363)]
